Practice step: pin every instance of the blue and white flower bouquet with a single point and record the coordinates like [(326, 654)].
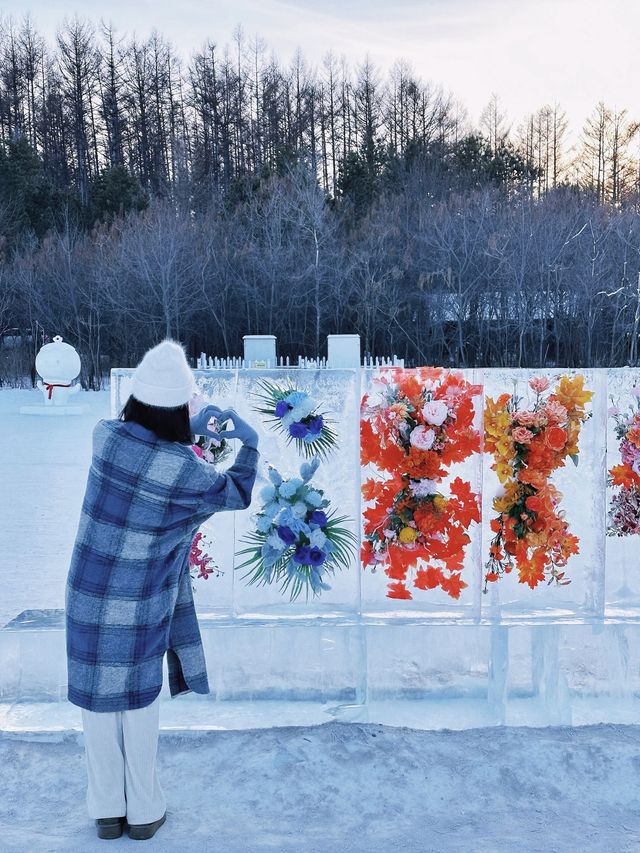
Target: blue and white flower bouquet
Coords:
[(297, 541), (296, 414)]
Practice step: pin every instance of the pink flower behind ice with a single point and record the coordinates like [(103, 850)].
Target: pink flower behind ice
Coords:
[(525, 417), (539, 384), (521, 435), (629, 452), (422, 438), (556, 412)]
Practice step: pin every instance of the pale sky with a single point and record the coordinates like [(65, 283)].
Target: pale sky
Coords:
[(530, 52)]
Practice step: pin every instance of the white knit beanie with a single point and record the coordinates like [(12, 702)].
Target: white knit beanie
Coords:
[(163, 378)]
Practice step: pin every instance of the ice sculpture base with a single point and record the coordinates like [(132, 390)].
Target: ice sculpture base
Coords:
[(422, 674)]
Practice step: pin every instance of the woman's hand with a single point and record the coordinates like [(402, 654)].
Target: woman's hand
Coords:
[(199, 423), (241, 429)]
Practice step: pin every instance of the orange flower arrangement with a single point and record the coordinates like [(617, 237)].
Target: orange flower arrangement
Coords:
[(421, 423), (528, 445)]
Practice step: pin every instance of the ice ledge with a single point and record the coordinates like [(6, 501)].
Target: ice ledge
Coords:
[(53, 619), (191, 715)]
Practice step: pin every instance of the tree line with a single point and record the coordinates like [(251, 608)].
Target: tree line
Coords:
[(142, 196)]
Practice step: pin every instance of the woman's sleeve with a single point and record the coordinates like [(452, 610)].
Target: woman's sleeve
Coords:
[(231, 489)]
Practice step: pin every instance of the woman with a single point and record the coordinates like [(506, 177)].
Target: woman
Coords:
[(128, 595)]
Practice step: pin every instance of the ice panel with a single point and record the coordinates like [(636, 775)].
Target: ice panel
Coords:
[(33, 656), (337, 393), (427, 661), (582, 488), (432, 602), (569, 673), (214, 595), (622, 583), (294, 661)]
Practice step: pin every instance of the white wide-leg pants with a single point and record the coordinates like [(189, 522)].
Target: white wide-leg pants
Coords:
[(121, 749)]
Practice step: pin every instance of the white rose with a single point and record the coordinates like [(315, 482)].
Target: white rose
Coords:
[(422, 438), (435, 412)]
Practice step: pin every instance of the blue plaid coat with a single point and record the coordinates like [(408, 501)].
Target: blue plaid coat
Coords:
[(128, 595)]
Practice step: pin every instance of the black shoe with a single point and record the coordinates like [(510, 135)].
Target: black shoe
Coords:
[(143, 831), (110, 827)]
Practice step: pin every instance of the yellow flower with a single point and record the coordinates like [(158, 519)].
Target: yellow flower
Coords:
[(439, 503), (571, 394), (504, 448), (408, 535), (503, 503), (504, 471)]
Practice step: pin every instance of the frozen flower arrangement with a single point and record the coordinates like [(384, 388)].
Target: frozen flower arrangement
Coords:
[(201, 565), (529, 443), (415, 425), (296, 414), (624, 508), (297, 541)]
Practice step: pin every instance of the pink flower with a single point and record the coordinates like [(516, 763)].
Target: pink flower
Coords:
[(435, 412), (525, 418), (452, 392), (197, 450), (521, 435), (556, 412), (422, 438), (629, 452), (539, 384), (613, 410)]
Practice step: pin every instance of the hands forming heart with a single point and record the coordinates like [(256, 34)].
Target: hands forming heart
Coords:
[(241, 429)]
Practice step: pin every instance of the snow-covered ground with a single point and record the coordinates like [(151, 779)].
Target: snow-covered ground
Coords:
[(349, 788)]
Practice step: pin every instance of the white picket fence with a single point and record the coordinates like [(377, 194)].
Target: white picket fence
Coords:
[(208, 362)]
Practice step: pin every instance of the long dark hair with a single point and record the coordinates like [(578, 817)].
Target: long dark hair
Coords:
[(168, 424)]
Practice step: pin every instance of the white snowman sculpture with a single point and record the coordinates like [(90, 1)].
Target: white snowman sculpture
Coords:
[(58, 364)]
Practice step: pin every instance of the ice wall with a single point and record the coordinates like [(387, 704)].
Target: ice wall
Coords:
[(515, 655)]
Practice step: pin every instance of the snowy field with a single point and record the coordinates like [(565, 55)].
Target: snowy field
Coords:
[(350, 789)]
